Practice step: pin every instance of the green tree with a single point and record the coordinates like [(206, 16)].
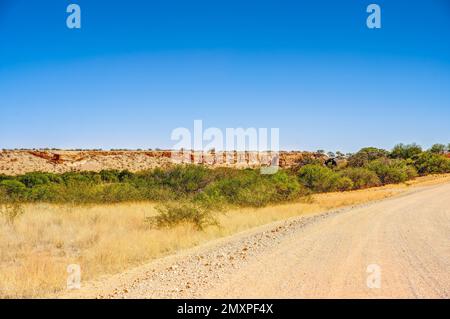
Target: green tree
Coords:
[(366, 155), (431, 163), (437, 149), (403, 151)]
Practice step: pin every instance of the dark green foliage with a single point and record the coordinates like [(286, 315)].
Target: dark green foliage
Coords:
[(5, 177), (184, 179), (438, 149), (366, 155), (392, 171), (403, 151), (109, 176), (361, 177), (226, 185), (13, 189), (34, 179), (431, 163), (250, 188), (323, 179)]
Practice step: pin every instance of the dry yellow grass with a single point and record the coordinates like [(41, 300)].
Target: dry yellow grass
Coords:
[(37, 248)]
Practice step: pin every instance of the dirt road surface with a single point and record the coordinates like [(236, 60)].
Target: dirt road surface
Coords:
[(395, 248)]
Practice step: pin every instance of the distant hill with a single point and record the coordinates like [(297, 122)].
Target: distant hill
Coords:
[(14, 162)]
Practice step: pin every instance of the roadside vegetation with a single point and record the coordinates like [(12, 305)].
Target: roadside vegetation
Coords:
[(191, 193), (49, 221)]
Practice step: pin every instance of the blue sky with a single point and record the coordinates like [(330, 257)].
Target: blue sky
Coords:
[(136, 70)]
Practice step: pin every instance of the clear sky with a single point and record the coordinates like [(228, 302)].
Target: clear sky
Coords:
[(136, 70)]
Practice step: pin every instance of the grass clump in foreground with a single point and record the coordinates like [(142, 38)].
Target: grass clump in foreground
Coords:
[(173, 213)]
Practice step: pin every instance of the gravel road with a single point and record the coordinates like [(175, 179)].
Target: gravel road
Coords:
[(395, 248)]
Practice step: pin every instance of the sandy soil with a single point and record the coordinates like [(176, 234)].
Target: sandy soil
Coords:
[(406, 238)]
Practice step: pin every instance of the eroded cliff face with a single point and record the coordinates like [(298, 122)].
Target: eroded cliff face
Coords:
[(14, 162)]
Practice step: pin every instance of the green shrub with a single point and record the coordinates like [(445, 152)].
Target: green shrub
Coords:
[(247, 188), (46, 193), (366, 155), (182, 178), (73, 178), (109, 176), (322, 179), (286, 186), (4, 177), (34, 179), (125, 176), (403, 151), (259, 194), (119, 192), (361, 177), (431, 163), (229, 187), (438, 149), (392, 171), (250, 188), (13, 188), (344, 184), (174, 213)]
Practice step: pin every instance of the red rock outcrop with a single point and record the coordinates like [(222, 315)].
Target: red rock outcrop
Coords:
[(14, 162)]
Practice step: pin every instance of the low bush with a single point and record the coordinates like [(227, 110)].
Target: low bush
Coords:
[(184, 182), (366, 155), (403, 151), (361, 177), (323, 179), (174, 213), (14, 189), (438, 149), (432, 163), (392, 171), (250, 188), (287, 186)]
